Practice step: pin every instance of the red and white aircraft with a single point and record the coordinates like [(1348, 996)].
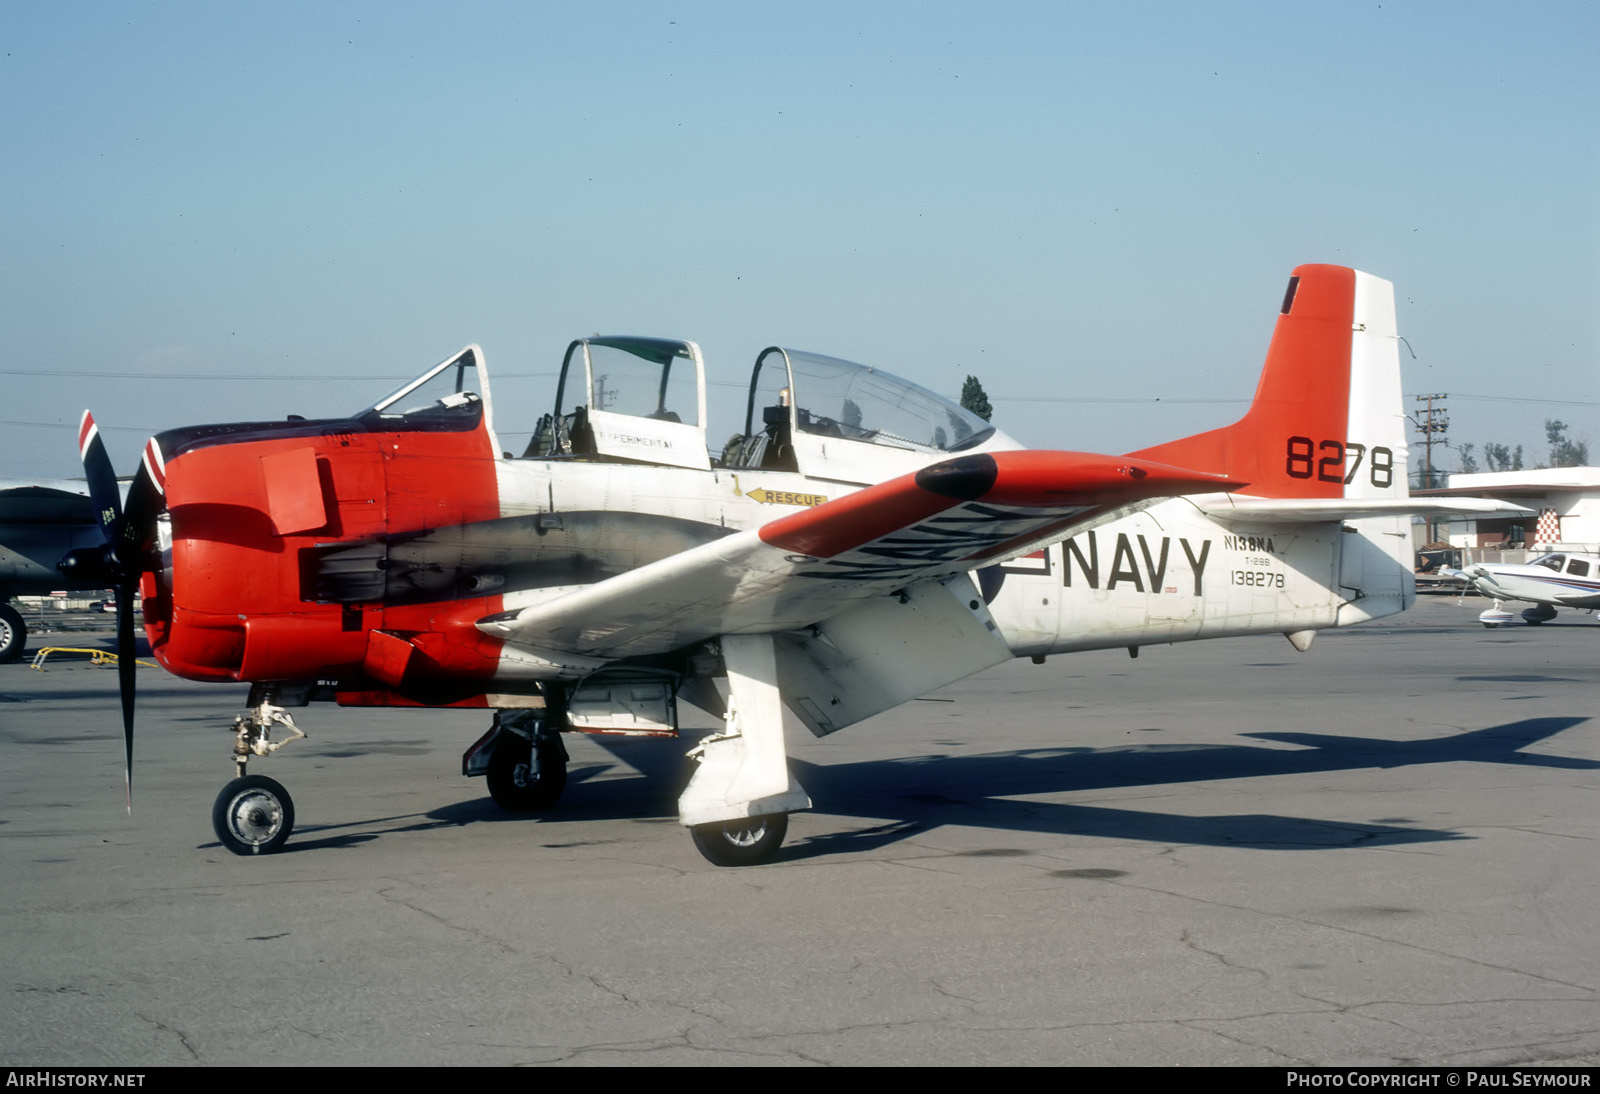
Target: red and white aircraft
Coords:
[(862, 542)]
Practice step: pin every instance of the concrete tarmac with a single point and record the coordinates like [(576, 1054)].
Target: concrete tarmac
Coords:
[(1382, 851)]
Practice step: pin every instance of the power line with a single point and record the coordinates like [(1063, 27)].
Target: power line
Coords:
[(97, 374), (365, 378), (1081, 399), (1523, 399)]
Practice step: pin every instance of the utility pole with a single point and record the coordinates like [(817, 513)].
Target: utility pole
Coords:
[(1433, 421)]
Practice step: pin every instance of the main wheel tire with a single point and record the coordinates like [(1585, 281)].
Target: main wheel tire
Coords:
[(13, 634), (518, 784), (748, 841), (253, 815)]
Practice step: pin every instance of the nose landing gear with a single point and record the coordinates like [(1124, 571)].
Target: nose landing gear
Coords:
[(254, 814)]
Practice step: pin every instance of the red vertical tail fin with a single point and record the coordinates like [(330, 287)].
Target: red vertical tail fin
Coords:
[(1326, 421)]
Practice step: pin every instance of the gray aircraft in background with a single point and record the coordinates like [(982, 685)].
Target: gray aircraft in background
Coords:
[(39, 523)]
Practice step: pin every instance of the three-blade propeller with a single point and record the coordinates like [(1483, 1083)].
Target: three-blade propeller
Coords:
[(125, 556)]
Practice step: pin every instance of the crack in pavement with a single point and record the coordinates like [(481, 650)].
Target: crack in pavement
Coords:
[(176, 1032)]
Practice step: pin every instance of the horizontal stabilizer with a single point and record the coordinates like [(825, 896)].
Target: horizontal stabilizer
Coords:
[(1313, 510)]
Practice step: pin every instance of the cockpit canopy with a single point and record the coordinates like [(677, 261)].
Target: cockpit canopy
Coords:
[(643, 400), (629, 398), (1561, 563), (807, 409)]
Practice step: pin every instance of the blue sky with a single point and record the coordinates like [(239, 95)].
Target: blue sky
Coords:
[(222, 211)]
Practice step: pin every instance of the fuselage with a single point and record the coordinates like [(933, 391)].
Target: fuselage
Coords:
[(285, 552), (360, 553)]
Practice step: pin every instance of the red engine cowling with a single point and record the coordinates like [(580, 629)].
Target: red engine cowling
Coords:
[(278, 563)]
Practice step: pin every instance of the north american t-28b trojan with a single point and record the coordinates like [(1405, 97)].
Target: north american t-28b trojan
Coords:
[(862, 542)]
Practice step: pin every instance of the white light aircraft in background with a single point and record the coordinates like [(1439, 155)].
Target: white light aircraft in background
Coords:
[(1564, 579)]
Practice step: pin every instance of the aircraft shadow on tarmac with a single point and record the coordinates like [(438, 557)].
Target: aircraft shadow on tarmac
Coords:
[(922, 793), (929, 791), (100, 695)]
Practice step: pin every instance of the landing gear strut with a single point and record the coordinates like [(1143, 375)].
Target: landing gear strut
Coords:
[(737, 805), (254, 814)]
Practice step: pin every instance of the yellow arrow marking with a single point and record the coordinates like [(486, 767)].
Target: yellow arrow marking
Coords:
[(783, 497)]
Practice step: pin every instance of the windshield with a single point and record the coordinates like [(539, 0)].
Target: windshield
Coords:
[(445, 397), (838, 398)]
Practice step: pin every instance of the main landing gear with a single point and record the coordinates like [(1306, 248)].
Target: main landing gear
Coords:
[(1497, 616), (254, 814), (749, 841), (737, 805), (13, 633), (526, 767)]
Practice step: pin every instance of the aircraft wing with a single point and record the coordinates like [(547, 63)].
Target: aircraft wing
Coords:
[(1310, 510), (806, 567), (58, 501)]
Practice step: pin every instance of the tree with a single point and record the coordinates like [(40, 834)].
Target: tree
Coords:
[(1428, 478), (1469, 462), (1501, 457), (850, 415), (974, 399), (1564, 452)]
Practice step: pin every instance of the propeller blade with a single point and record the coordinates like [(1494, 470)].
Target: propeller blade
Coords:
[(127, 680), (129, 536), (146, 499), (102, 479), (136, 536)]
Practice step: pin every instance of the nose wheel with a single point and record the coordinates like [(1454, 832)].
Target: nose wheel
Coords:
[(253, 815)]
